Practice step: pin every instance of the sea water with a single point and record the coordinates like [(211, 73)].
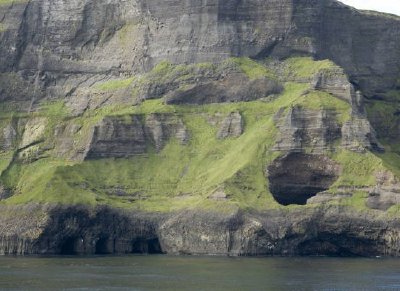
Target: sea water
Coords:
[(197, 273)]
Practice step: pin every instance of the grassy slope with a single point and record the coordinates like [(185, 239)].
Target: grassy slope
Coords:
[(184, 176), (305, 67)]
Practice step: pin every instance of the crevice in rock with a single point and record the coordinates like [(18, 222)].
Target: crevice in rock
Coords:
[(296, 177), (267, 51)]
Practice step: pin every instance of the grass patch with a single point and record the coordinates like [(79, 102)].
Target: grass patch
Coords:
[(54, 112), (385, 121), (391, 160), (54, 109), (357, 200), (393, 95), (114, 85), (305, 67), (126, 32), (37, 182), (252, 69), (166, 72), (317, 100), (9, 2), (5, 160), (358, 169), (3, 27)]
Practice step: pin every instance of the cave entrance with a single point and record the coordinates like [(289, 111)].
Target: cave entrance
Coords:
[(147, 246), (338, 245), (104, 246), (296, 177), (69, 246)]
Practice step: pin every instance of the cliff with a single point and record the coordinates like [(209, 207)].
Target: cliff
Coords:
[(205, 127)]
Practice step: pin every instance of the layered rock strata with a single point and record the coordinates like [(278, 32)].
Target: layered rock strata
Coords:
[(316, 231), (60, 46)]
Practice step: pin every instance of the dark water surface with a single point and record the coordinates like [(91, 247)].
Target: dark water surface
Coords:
[(197, 273)]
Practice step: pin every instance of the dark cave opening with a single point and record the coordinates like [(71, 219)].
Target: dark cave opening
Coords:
[(319, 247), (147, 246), (296, 177), (104, 246), (69, 246), (338, 245)]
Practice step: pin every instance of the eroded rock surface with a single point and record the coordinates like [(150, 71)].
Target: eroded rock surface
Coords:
[(159, 128), (301, 129), (330, 230), (231, 126), (358, 135), (60, 46), (9, 137), (335, 81), (226, 90), (383, 198), (119, 137)]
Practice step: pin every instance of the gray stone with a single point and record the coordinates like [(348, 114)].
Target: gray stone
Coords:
[(358, 135), (304, 129), (124, 136), (161, 127), (231, 126), (326, 197), (60, 46), (319, 230), (9, 137), (117, 137), (382, 198), (230, 89)]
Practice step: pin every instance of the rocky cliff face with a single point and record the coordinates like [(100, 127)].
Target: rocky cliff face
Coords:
[(60, 46), (324, 231), (118, 137), (213, 127)]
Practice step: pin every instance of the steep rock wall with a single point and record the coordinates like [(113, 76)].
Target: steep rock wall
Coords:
[(330, 230), (60, 46)]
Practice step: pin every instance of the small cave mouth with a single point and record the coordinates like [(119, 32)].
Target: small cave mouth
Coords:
[(338, 245), (296, 177), (147, 246), (104, 246), (69, 246)]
